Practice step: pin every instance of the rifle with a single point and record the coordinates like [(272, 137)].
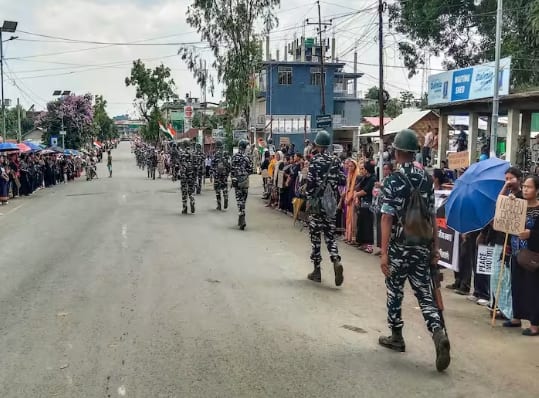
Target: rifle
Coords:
[(436, 279)]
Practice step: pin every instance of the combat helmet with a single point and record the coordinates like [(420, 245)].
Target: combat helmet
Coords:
[(323, 139), (406, 141), (243, 144)]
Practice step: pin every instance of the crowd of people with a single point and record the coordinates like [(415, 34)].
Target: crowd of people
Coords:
[(22, 174)]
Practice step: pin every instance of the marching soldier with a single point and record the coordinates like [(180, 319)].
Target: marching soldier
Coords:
[(324, 172), (199, 156), (405, 255), (187, 175), (242, 167), (221, 170)]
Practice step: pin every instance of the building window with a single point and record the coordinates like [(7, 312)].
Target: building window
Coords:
[(285, 75), (316, 76)]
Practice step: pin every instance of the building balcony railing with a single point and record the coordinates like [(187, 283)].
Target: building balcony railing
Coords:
[(343, 94)]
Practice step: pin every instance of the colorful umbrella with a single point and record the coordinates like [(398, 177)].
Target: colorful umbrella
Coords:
[(23, 147), (33, 147), (472, 202)]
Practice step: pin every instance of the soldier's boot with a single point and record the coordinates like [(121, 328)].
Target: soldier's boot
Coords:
[(218, 208), (192, 207), (441, 343), (338, 268), (394, 342), (184, 211), (226, 202), (316, 275), (241, 222)]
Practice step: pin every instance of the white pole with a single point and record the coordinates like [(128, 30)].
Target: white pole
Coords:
[(496, 97)]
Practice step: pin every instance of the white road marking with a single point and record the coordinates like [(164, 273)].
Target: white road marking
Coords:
[(124, 236), (121, 391)]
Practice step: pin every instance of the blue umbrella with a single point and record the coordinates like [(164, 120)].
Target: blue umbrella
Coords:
[(8, 146), (472, 202), (33, 147)]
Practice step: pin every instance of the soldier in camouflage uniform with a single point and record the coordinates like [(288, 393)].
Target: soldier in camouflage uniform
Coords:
[(401, 261), (321, 165), (175, 156), (221, 169), (242, 167), (200, 167), (187, 175)]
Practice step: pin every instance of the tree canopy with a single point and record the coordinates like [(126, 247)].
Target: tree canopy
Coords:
[(464, 34), (230, 29), (103, 124), (76, 113), (153, 88)]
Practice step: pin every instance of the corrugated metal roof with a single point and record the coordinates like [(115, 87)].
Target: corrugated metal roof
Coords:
[(405, 121), (375, 121)]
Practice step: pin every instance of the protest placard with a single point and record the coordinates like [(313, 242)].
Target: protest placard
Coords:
[(485, 258), (510, 216), (448, 239), (458, 160)]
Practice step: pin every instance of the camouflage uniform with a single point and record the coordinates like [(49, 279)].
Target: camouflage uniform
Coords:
[(242, 167), (188, 178), (321, 164), (408, 262), (220, 177), (200, 168)]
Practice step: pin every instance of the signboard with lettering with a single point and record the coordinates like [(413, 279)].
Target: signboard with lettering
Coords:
[(323, 121), (469, 83), (448, 239), (510, 215), (485, 257), (240, 135), (458, 160), (218, 133)]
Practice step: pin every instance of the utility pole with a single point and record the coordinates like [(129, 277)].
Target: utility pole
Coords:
[(19, 130), (381, 5), (4, 134), (323, 75), (496, 97)]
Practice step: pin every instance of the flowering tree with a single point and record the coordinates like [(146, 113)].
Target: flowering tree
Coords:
[(76, 113)]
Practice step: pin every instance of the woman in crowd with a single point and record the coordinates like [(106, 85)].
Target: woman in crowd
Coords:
[(439, 179), (365, 224), (4, 181), (525, 283), (348, 202), (513, 177), (284, 179)]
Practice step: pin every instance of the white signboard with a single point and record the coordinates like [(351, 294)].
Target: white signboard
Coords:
[(485, 258), (469, 83)]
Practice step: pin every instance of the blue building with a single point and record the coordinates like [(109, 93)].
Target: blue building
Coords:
[(290, 97)]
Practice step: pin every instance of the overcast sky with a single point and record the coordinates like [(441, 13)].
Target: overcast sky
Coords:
[(40, 65)]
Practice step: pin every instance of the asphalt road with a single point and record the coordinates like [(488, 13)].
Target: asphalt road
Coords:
[(107, 291)]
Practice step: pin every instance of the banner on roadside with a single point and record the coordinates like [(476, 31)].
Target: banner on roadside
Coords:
[(448, 239)]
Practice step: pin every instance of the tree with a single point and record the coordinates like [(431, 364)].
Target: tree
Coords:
[(229, 27), (103, 124), (407, 98), (153, 88), (465, 34), (12, 122), (393, 107), (76, 114), (372, 93)]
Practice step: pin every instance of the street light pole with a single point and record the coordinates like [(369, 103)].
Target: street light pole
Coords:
[(2, 78), (8, 26), (496, 96)]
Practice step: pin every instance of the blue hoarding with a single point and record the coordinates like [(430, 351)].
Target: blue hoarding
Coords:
[(469, 83)]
